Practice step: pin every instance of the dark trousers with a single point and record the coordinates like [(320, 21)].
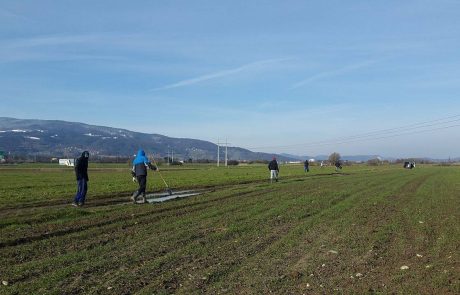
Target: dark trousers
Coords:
[(142, 180), (82, 188)]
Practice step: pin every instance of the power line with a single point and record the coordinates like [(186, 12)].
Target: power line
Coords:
[(379, 134), (391, 134), (401, 134), (403, 128)]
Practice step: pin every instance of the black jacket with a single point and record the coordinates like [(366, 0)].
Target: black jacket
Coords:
[(273, 165), (81, 166), (141, 169)]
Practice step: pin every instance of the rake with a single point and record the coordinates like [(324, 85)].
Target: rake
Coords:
[(168, 190)]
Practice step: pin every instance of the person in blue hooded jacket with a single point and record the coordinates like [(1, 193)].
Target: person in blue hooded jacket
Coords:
[(140, 165)]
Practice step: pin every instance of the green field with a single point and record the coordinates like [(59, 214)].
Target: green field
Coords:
[(322, 232)]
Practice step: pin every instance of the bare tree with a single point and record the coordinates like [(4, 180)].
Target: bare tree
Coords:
[(373, 162), (334, 158)]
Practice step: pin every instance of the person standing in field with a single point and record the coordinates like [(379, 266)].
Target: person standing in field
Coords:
[(338, 165), (306, 166), (274, 170), (81, 173), (139, 171)]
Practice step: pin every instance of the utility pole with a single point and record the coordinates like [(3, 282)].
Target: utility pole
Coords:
[(172, 156), (226, 144), (226, 152), (218, 152), (168, 155)]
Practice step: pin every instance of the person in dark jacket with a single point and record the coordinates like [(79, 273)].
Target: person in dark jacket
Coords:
[(274, 169), (306, 166), (81, 173), (338, 165), (140, 165)]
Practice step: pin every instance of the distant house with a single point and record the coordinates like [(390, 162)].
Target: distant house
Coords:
[(67, 162)]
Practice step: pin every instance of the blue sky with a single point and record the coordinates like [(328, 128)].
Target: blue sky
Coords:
[(273, 76)]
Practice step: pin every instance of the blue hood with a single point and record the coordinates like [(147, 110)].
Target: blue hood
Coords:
[(140, 158)]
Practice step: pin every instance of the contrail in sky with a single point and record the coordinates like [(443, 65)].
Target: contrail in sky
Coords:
[(332, 73), (220, 74)]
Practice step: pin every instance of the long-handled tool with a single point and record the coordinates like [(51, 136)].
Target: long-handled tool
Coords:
[(161, 176)]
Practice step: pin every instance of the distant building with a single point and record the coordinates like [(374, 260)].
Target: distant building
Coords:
[(67, 162)]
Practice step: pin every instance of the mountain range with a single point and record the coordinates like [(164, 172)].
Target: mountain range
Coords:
[(55, 138), (68, 139), (353, 158)]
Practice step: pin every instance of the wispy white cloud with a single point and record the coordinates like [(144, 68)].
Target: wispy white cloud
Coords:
[(127, 46), (53, 40), (53, 57), (59, 47), (218, 123), (332, 73), (220, 74), (101, 39), (5, 13)]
